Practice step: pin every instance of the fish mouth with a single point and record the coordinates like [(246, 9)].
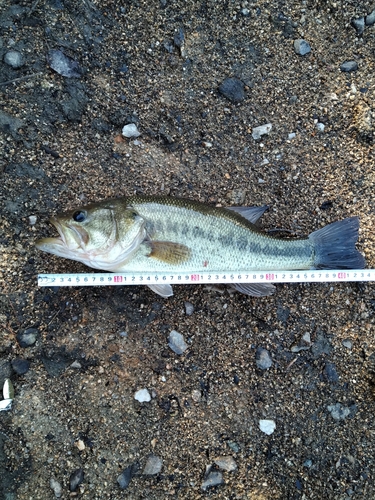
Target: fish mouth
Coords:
[(53, 243)]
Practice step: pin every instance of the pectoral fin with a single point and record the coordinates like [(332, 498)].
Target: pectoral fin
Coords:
[(254, 289), (163, 290), (252, 214), (169, 252)]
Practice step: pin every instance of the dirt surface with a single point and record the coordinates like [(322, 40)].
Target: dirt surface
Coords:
[(159, 64)]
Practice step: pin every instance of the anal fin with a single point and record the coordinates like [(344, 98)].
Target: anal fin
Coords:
[(163, 290), (169, 252), (254, 289)]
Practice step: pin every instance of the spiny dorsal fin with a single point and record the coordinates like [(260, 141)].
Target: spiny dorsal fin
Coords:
[(167, 251)]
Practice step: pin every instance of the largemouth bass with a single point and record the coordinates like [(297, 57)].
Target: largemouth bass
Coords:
[(160, 233)]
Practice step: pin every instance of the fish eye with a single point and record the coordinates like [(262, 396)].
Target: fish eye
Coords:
[(79, 216)]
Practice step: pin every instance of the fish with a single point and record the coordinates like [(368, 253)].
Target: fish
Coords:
[(167, 234)]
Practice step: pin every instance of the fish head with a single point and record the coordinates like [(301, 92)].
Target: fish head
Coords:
[(101, 235)]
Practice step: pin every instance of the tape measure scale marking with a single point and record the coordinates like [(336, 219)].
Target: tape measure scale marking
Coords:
[(106, 279)]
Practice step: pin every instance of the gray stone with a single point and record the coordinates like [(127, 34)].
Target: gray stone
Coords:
[(257, 132), (56, 487), (338, 411), (189, 308), (63, 65), (349, 66), (153, 465), (213, 478), (226, 463), (370, 18), (359, 25), (263, 359), (126, 476), (20, 366), (176, 342), (14, 59), (233, 89), (27, 338), (301, 47), (76, 478), (330, 373), (130, 131)]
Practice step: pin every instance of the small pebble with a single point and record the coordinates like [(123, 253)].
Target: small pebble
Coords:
[(349, 66), (330, 373), (153, 465), (8, 389), (126, 476), (291, 135), (32, 220), (27, 338), (303, 344), (14, 59), (143, 396), (6, 404), (347, 343), (196, 395), (130, 130), (233, 446), (233, 89), (213, 478), (189, 308), (63, 65), (76, 478), (176, 342), (80, 445), (20, 366), (370, 19), (307, 463), (338, 411), (320, 127), (359, 25), (261, 130), (267, 426), (56, 487), (124, 335), (263, 359), (245, 12), (301, 47), (226, 463)]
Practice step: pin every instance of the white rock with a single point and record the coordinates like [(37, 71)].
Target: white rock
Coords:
[(130, 130), (267, 426), (6, 404), (143, 396), (153, 465), (176, 342), (56, 487), (261, 130), (32, 220)]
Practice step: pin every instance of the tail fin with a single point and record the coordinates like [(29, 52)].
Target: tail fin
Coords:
[(335, 246)]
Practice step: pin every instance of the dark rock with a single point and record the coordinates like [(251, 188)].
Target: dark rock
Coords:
[(63, 65), (126, 476), (25, 170), (359, 25), (330, 373), (28, 337), (282, 313), (5, 371), (321, 346), (349, 66), (20, 366), (9, 124), (233, 89), (179, 38), (76, 478)]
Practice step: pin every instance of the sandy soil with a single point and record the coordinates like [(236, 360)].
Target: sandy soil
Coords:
[(159, 64)]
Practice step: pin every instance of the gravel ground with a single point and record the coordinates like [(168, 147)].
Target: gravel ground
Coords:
[(75, 428)]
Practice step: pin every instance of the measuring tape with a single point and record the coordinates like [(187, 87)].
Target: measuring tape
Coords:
[(139, 278)]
